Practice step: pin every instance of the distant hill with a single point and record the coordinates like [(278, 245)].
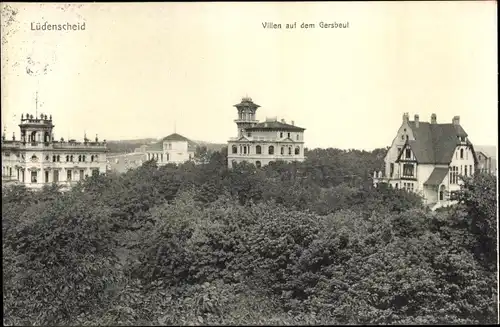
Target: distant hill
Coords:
[(127, 146)]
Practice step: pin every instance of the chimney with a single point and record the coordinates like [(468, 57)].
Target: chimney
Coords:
[(417, 120), (433, 119), (456, 120), (406, 117), (293, 123)]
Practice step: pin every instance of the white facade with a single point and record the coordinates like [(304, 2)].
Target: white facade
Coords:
[(37, 159), (262, 143), (429, 159)]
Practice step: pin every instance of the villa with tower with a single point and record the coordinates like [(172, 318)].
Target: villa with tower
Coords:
[(261, 143), (37, 159), (428, 158)]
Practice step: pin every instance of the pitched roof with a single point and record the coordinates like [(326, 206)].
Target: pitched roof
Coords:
[(275, 125), (435, 143), (437, 176), (175, 137)]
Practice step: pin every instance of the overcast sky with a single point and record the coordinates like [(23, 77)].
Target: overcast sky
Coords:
[(137, 68)]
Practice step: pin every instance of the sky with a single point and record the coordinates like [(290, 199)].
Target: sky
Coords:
[(142, 70)]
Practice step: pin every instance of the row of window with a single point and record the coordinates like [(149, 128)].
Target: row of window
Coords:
[(455, 172), (249, 134), (55, 175), (245, 149), (72, 158)]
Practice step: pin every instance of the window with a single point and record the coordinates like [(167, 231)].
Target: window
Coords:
[(465, 171), (461, 153), (391, 169), (161, 157), (10, 171), (235, 149), (258, 164), (288, 135), (271, 149), (46, 158), (56, 176), (408, 170), (297, 137), (71, 158), (83, 158), (33, 176), (249, 134), (95, 172), (282, 150), (67, 158), (54, 158), (297, 151), (397, 186), (281, 134), (46, 176), (470, 171), (244, 149), (289, 151), (408, 153), (58, 158), (68, 175), (258, 149)]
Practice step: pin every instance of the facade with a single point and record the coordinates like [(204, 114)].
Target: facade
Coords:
[(261, 143), (429, 158), (37, 159)]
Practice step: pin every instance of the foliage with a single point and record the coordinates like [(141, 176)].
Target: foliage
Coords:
[(285, 244)]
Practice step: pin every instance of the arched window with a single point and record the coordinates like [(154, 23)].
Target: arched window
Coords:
[(67, 158), (271, 149), (244, 149), (58, 158), (83, 158), (53, 158), (258, 164), (290, 151), (46, 137), (297, 150), (282, 150), (92, 158), (258, 150), (79, 158), (461, 153), (71, 158)]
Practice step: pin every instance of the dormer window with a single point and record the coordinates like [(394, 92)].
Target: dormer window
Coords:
[(408, 153)]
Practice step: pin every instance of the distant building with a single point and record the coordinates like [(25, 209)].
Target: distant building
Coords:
[(173, 149), (428, 158), (37, 159), (261, 143), (486, 163)]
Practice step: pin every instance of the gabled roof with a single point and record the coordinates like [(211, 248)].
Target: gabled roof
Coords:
[(435, 143), (275, 125), (437, 176), (175, 137)]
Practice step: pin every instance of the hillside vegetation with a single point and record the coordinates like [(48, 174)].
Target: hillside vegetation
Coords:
[(288, 244)]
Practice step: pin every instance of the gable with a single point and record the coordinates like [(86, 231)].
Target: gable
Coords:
[(406, 153)]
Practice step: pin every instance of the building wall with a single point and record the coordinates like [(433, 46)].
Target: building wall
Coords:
[(264, 157), (177, 152), (397, 144)]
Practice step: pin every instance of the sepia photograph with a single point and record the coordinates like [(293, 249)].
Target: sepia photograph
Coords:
[(249, 163)]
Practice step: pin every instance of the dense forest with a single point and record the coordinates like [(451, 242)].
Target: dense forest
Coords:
[(286, 244)]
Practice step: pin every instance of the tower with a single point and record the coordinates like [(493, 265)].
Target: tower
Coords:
[(36, 129), (246, 114)]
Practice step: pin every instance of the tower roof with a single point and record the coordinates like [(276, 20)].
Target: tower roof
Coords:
[(246, 102)]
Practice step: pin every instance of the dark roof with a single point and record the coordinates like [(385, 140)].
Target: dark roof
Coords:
[(435, 143), (175, 137), (246, 102), (275, 125), (437, 176)]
